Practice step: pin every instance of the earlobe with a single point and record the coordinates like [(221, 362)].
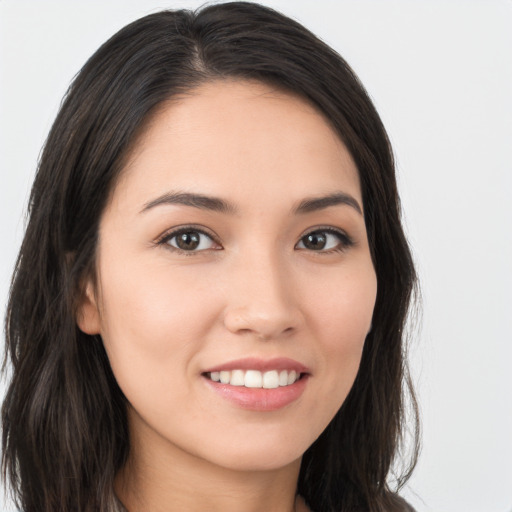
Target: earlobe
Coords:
[(87, 314)]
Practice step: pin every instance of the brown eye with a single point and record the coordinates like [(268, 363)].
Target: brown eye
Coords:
[(315, 241), (190, 240), (324, 240)]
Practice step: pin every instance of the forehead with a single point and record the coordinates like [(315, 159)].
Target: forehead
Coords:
[(225, 136)]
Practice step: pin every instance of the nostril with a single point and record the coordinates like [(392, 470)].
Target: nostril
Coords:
[(264, 321)]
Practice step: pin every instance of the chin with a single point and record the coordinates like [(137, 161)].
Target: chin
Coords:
[(257, 460), (259, 454)]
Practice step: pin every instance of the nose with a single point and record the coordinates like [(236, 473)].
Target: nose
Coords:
[(262, 299)]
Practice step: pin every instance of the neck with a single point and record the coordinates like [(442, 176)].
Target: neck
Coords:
[(163, 478)]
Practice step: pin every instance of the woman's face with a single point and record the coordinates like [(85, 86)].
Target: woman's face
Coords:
[(232, 261)]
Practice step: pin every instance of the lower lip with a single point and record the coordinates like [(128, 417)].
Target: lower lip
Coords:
[(260, 399)]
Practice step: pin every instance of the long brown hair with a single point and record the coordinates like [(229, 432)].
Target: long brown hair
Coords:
[(65, 431)]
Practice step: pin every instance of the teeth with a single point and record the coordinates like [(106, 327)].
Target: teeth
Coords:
[(271, 380), (253, 379), (256, 379), (237, 378), (292, 377)]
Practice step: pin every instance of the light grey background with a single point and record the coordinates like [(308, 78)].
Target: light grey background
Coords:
[(440, 73)]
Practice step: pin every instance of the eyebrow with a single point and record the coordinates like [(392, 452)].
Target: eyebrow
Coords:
[(196, 200), (314, 204), (216, 204)]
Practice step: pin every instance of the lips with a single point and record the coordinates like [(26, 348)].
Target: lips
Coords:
[(259, 385)]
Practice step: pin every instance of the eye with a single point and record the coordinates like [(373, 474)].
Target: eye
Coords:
[(189, 240), (325, 240)]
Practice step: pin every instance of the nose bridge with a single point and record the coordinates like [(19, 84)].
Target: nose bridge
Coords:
[(261, 299)]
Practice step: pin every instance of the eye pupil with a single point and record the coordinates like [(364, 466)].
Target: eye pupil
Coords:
[(188, 240), (315, 241)]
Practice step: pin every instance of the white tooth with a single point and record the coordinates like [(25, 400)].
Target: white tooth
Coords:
[(225, 377), (215, 376), (270, 379), (283, 378), (253, 379), (237, 378), (292, 377)]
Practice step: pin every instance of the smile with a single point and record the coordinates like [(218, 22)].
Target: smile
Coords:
[(257, 384), (271, 379)]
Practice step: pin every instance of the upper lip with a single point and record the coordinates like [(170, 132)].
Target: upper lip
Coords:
[(263, 365)]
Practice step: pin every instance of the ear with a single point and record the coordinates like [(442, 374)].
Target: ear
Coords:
[(87, 314)]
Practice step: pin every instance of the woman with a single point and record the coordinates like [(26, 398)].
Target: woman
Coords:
[(208, 306)]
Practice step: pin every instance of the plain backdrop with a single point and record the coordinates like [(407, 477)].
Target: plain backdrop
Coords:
[(440, 73)]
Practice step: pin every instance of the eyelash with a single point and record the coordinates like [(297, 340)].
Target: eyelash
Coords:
[(167, 237), (345, 241)]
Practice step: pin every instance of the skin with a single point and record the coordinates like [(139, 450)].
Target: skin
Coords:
[(253, 290)]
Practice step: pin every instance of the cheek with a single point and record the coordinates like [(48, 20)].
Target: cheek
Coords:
[(342, 319), (153, 323), (151, 301), (154, 326), (344, 308)]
